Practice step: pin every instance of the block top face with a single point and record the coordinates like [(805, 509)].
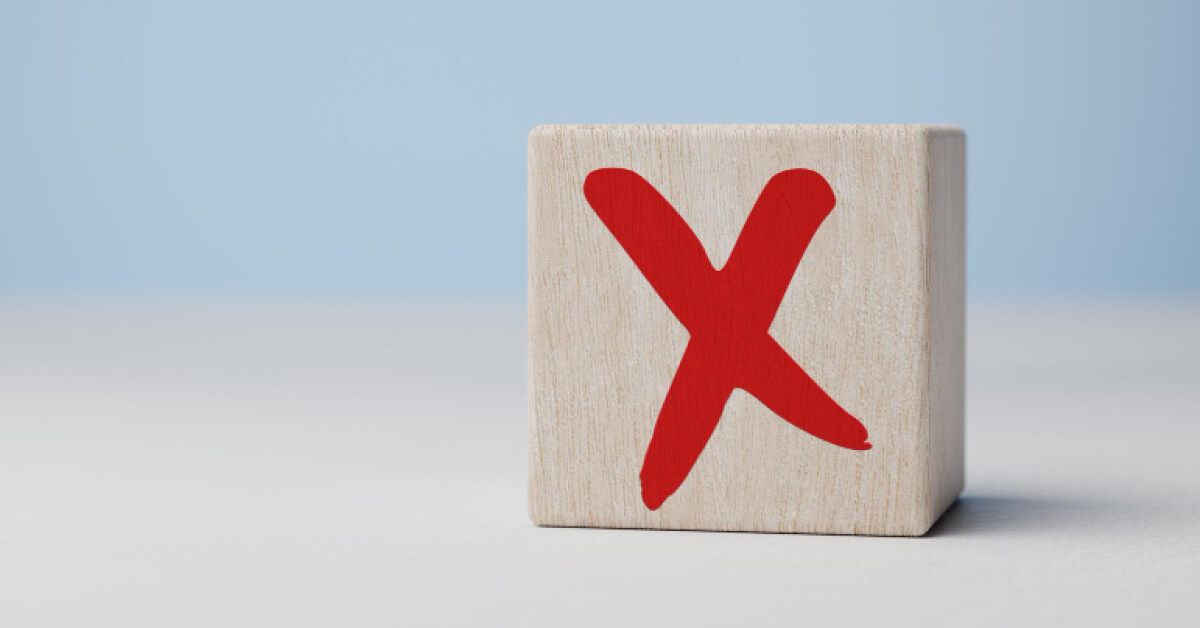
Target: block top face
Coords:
[(745, 128), (613, 321), (769, 133)]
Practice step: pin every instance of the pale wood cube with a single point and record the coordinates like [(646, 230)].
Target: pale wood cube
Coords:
[(839, 412)]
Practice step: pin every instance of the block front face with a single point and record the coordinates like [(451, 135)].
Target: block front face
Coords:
[(605, 347)]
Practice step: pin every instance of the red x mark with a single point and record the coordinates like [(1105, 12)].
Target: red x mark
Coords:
[(727, 313)]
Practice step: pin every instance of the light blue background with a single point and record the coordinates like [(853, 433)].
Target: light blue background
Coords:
[(379, 148)]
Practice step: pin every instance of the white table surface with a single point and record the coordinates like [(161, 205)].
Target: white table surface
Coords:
[(362, 464)]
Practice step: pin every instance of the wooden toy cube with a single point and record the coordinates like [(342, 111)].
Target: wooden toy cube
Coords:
[(746, 327)]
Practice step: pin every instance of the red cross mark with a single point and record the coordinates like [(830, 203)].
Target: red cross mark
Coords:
[(727, 313)]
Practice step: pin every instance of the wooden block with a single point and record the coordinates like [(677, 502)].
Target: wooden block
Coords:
[(815, 380)]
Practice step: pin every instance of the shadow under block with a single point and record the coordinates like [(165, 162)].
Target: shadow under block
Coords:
[(874, 314)]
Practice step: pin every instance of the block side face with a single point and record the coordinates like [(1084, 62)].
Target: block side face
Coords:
[(947, 272), (604, 347), (555, 472), (534, 156)]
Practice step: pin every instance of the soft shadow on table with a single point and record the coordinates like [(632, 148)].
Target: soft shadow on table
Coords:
[(1014, 514)]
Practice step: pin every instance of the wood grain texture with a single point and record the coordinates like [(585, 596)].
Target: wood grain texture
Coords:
[(874, 314)]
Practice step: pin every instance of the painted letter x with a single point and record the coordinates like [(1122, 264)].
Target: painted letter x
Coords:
[(727, 313)]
